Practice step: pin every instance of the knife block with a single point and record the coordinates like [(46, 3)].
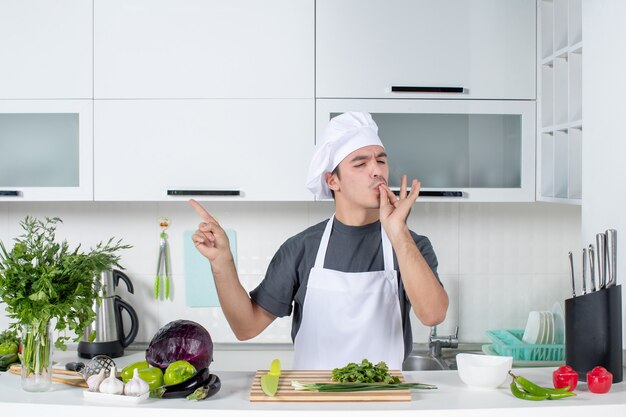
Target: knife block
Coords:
[(593, 332)]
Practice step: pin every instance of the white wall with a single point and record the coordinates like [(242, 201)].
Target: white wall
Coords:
[(604, 113), (497, 260)]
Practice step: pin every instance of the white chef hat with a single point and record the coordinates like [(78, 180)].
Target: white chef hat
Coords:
[(343, 135)]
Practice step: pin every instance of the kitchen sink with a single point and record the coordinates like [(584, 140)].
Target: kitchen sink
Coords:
[(425, 361)]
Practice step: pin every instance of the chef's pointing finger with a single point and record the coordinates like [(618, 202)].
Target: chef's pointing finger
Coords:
[(201, 211)]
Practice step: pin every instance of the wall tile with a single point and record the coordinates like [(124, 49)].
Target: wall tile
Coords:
[(517, 238), (503, 301), (497, 261)]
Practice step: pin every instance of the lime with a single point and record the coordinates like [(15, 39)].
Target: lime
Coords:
[(177, 372), (269, 384), (275, 368)]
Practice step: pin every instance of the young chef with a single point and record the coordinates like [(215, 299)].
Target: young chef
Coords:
[(350, 280)]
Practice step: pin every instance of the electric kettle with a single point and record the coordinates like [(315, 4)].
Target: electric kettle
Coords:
[(111, 339)]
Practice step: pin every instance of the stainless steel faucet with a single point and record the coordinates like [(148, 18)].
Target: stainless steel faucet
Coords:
[(436, 343)]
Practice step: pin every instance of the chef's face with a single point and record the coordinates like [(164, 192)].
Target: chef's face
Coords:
[(359, 175)]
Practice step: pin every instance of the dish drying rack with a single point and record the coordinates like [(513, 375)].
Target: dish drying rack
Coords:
[(510, 343)]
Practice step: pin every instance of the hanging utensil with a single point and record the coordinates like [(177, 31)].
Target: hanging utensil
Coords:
[(571, 272), (601, 253), (584, 271), (163, 264), (592, 268), (611, 252)]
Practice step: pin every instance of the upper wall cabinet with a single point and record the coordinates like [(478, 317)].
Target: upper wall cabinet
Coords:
[(204, 49), (46, 150), (220, 150), (483, 49), (560, 134), (46, 49)]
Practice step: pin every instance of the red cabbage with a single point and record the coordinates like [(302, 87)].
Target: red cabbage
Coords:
[(180, 340)]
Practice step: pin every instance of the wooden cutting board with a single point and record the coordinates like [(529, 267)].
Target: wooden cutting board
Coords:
[(287, 393)]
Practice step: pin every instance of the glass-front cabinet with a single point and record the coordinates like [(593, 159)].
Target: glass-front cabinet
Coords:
[(46, 150), (470, 150)]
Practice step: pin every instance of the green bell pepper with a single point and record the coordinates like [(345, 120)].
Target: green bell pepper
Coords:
[(127, 371), (152, 375), (7, 348)]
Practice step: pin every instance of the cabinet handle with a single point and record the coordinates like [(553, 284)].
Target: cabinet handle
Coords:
[(9, 193), (416, 89), (203, 192), (435, 193)]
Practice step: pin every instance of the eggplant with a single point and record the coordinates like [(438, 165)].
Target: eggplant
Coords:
[(208, 390), (183, 389)]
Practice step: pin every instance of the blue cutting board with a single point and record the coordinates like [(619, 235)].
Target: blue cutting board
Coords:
[(199, 285)]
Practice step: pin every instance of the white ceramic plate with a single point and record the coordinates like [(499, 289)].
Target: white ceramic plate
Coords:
[(544, 329), (551, 333), (559, 323), (113, 398), (532, 333)]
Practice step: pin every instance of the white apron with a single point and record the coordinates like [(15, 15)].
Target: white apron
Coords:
[(350, 316)]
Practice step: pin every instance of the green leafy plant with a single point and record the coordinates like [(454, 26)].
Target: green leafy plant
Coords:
[(42, 280), (364, 372)]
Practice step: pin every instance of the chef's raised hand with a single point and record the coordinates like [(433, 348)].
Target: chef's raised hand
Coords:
[(395, 210), (210, 239)]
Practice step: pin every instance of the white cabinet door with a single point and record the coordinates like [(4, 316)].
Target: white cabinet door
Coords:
[(46, 49), (485, 47), (224, 150), (204, 49), (460, 150), (46, 150)]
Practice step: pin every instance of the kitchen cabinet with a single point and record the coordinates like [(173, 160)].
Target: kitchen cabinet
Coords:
[(560, 133), (46, 150), (485, 49), (46, 49), (222, 150), (483, 150), (204, 49)]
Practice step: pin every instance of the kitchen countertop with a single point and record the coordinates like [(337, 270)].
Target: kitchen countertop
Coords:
[(451, 398)]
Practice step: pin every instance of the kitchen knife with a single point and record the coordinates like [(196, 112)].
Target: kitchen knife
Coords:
[(592, 269), (584, 271), (571, 272), (611, 252), (601, 254)]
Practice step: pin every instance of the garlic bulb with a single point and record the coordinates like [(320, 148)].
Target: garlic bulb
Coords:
[(94, 381), (112, 385), (136, 387)]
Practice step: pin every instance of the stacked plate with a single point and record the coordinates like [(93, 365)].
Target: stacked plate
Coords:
[(541, 328)]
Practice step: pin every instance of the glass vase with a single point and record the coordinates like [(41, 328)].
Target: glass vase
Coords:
[(36, 357)]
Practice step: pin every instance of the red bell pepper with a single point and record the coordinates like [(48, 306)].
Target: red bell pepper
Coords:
[(599, 380), (565, 376)]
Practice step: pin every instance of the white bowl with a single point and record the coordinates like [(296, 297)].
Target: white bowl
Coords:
[(483, 371)]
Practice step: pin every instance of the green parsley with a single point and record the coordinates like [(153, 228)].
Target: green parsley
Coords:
[(42, 280), (365, 372)]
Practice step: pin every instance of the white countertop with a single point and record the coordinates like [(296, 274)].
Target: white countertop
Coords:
[(451, 398)]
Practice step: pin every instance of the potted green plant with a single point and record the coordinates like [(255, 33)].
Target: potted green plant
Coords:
[(43, 284)]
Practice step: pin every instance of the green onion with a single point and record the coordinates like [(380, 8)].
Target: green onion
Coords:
[(357, 386)]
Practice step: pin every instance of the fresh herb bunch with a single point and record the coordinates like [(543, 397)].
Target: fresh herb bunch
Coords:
[(365, 372), (42, 280)]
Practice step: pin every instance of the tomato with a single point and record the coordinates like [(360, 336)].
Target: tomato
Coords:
[(178, 371), (599, 380), (565, 376)]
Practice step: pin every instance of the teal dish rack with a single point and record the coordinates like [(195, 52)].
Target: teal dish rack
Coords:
[(510, 343)]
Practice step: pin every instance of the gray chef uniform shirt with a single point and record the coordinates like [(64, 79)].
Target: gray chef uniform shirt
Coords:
[(350, 249)]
